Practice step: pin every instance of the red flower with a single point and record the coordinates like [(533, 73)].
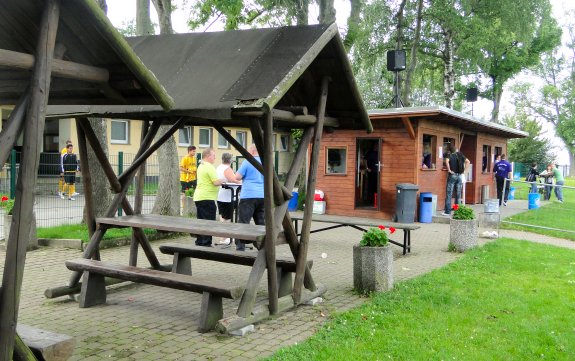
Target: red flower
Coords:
[(381, 227), (455, 207), (391, 230), (4, 198)]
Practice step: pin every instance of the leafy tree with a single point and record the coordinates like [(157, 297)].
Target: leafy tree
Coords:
[(534, 148)]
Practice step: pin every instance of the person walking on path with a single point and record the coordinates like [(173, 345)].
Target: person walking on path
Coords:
[(61, 181), (207, 192), (559, 181), (456, 164), (69, 166), (225, 205), (502, 172), (532, 177), (252, 195)]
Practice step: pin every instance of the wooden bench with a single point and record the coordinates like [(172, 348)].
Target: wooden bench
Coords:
[(183, 253), (250, 233), (359, 224), (46, 345), (93, 291)]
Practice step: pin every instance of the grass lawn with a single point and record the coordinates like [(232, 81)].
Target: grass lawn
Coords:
[(509, 300), (552, 215), (80, 231)]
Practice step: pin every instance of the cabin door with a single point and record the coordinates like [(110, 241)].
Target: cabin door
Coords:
[(368, 170)]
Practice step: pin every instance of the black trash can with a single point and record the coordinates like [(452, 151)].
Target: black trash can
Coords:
[(406, 202)]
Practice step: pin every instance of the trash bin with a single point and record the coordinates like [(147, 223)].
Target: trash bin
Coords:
[(425, 207), (292, 204), (484, 193), (405, 204), (534, 200), (511, 195)]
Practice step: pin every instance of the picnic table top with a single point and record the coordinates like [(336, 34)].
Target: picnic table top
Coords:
[(355, 221)]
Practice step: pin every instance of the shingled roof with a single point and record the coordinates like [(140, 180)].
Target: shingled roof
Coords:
[(213, 75), (87, 38)]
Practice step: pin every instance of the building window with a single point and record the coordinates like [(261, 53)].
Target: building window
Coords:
[(336, 160), (429, 152), (242, 137), (284, 142), (222, 142), (185, 136), (205, 137), (486, 159), (120, 129)]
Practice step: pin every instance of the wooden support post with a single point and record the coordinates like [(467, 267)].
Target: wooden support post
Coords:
[(306, 224), (24, 203), (271, 230), (86, 179), (139, 198), (211, 312), (13, 128), (93, 291), (249, 297)]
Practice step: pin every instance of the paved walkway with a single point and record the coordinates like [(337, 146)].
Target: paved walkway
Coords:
[(142, 322)]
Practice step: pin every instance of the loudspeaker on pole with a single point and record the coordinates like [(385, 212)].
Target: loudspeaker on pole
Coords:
[(396, 60), (471, 95)]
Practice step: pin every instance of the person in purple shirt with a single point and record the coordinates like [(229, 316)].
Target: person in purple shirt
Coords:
[(503, 171)]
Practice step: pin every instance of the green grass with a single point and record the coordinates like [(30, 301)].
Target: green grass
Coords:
[(552, 215), (509, 300), (80, 231)]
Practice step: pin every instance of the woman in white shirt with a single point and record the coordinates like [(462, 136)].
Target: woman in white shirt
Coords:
[(225, 206)]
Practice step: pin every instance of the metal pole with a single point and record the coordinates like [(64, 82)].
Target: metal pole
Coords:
[(120, 170)]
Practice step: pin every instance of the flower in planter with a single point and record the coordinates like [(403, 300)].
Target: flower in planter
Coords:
[(462, 212), (375, 237), (189, 192), (7, 204)]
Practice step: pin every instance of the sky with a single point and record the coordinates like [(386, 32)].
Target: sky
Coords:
[(122, 12)]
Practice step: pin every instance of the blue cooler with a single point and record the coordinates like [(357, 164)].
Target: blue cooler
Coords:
[(534, 199), (511, 195), (425, 207), (292, 204)]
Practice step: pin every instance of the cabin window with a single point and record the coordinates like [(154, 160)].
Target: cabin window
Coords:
[(336, 160), (119, 132), (242, 137), (284, 142), (486, 159), (222, 142), (446, 143), (185, 136), (205, 137), (428, 158)]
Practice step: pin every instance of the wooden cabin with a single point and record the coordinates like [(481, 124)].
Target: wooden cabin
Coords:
[(409, 145)]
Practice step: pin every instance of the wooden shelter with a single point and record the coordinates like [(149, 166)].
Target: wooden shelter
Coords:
[(408, 144), (264, 79), (57, 52)]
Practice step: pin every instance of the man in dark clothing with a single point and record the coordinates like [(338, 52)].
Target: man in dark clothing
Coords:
[(372, 163), (502, 172), (456, 164)]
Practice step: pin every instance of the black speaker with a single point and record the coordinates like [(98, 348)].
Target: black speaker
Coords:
[(471, 95), (396, 60)]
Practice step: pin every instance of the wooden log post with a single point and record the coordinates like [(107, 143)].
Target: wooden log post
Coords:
[(13, 128), (86, 179), (271, 230), (139, 199), (249, 296), (24, 203), (306, 226)]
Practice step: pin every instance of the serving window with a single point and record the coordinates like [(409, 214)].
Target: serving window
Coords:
[(336, 160)]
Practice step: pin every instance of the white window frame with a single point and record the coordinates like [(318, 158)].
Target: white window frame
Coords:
[(245, 137), (190, 132), (221, 137), (127, 129), (284, 147), (210, 137)]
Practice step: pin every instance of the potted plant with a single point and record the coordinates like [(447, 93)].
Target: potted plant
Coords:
[(373, 261), (189, 207), (8, 205), (462, 228)]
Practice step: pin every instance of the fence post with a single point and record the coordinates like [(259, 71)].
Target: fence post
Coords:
[(120, 171), (12, 174)]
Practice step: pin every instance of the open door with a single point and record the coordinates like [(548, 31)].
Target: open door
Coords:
[(368, 173)]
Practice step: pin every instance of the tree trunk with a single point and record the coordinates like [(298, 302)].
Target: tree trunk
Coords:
[(143, 22), (168, 197), (326, 12), (413, 56), (497, 93), (449, 74), (164, 10), (100, 186), (399, 28), (353, 23), (302, 12), (571, 163)]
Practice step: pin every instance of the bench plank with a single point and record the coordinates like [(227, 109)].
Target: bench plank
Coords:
[(223, 255), (248, 232), (355, 221), (48, 345), (157, 278)]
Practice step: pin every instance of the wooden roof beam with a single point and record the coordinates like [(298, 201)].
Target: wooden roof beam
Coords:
[(290, 118), (408, 127), (60, 68)]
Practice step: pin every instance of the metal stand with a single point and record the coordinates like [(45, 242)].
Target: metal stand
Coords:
[(396, 100)]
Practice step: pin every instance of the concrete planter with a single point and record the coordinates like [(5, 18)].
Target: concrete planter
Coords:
[(372, 268), (463, 234), (32, 241), (189, 207)]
